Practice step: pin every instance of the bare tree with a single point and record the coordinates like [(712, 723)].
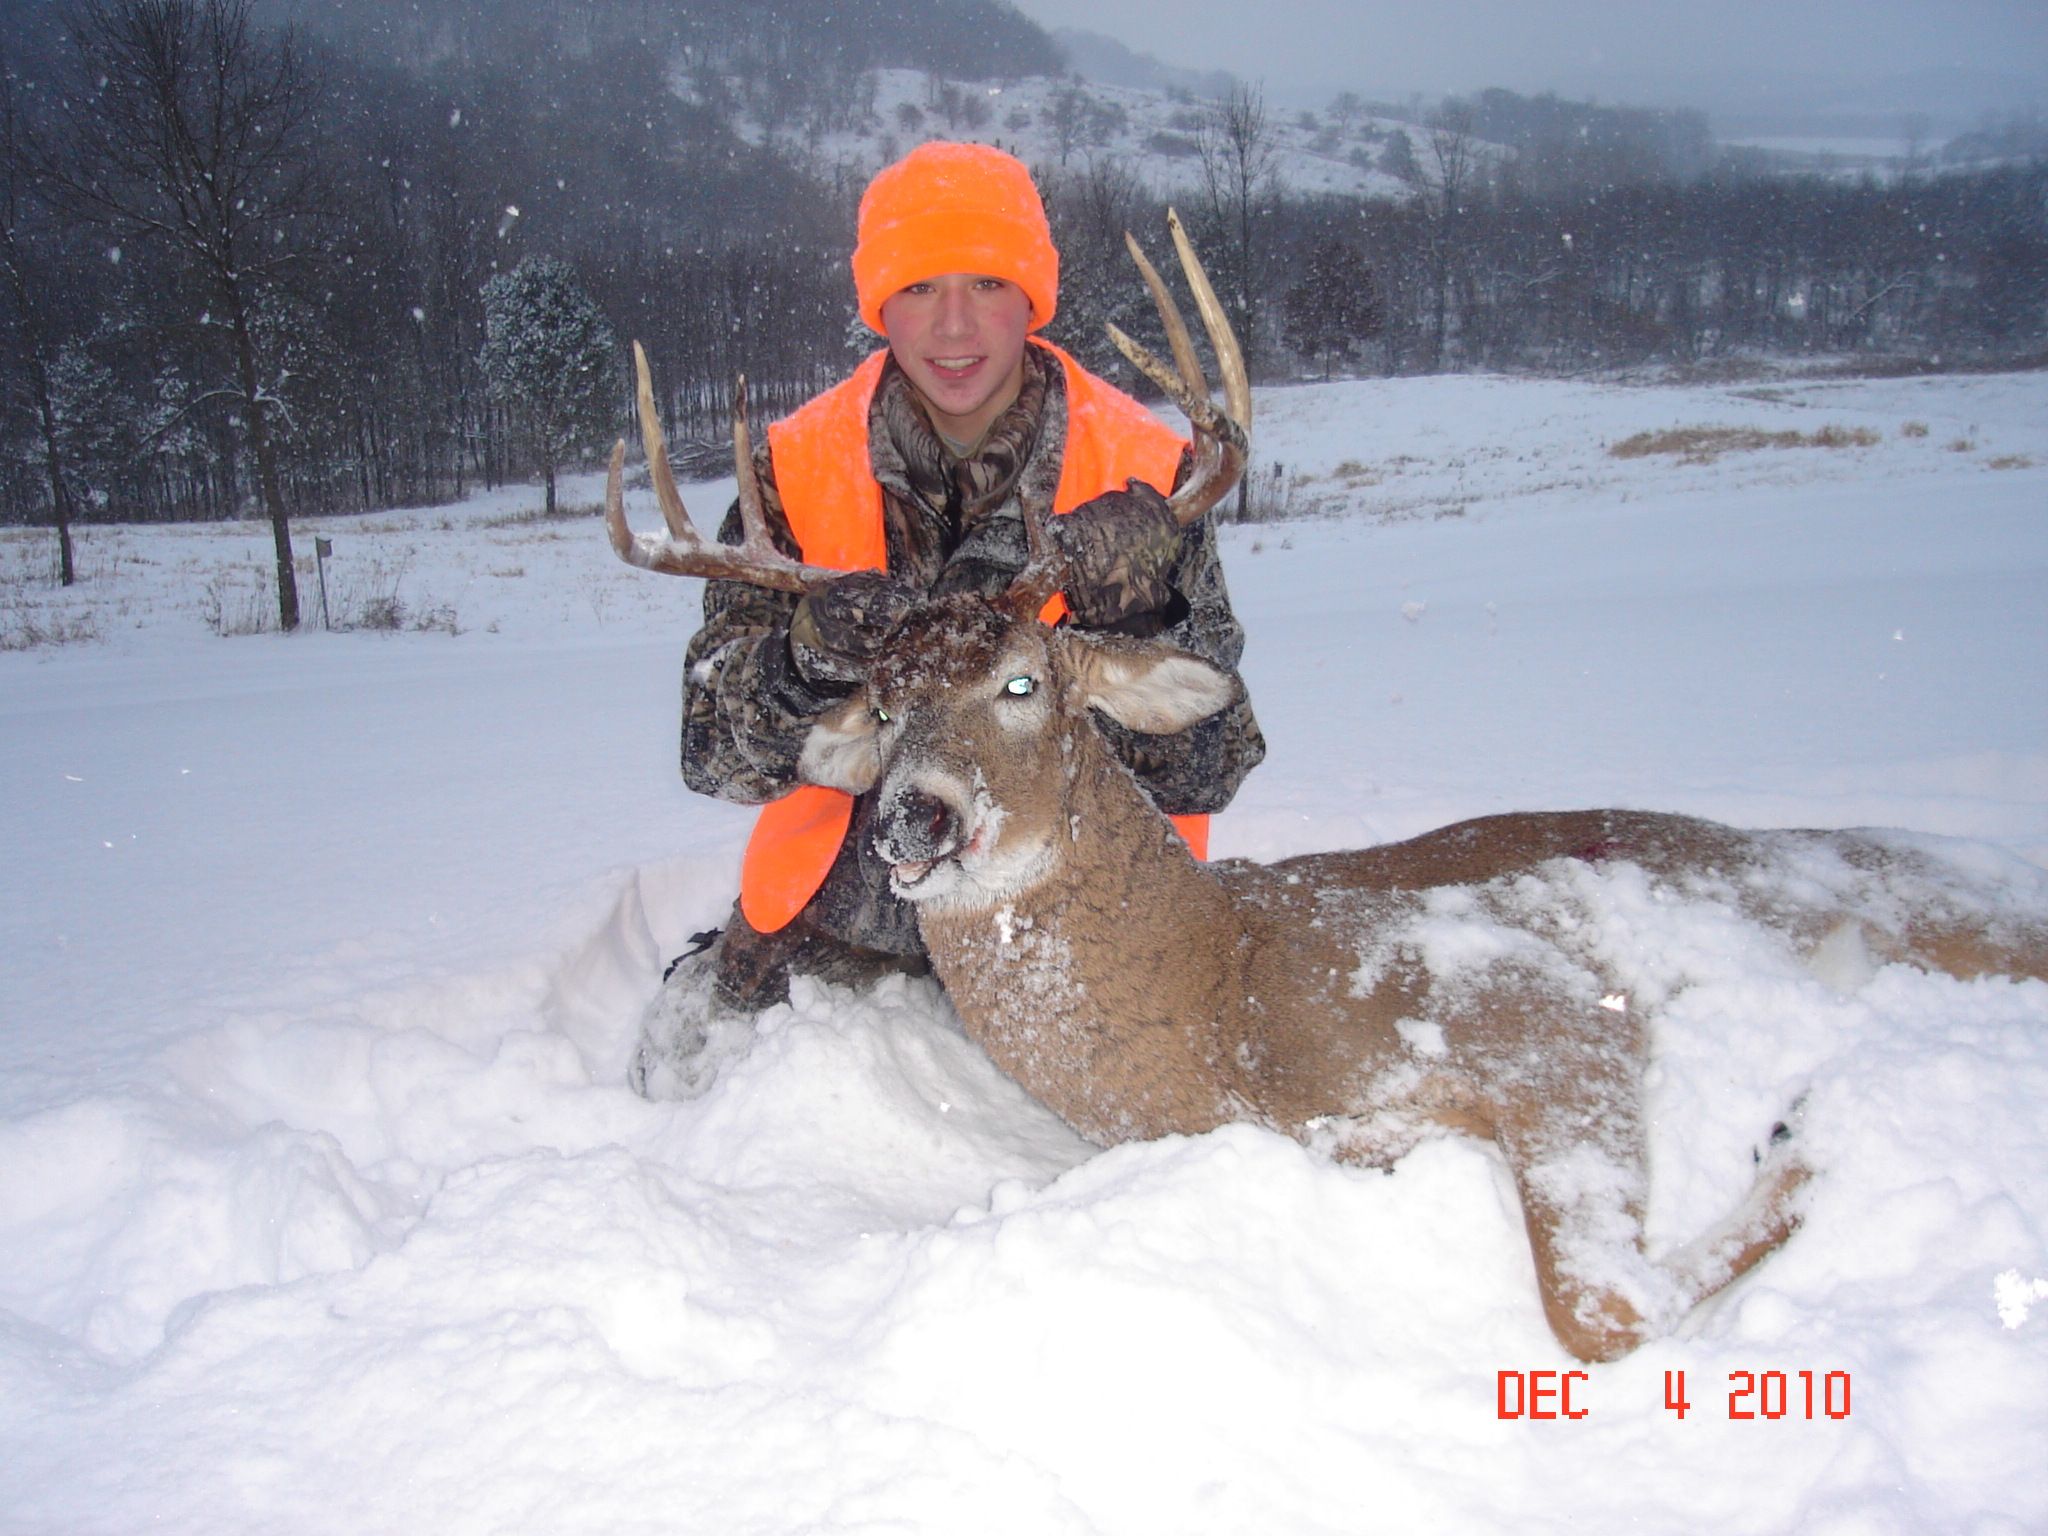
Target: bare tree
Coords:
[(23, 275), (195, 130), (1913, 134), (1241, 182), (1064, 114), (1453, 160)]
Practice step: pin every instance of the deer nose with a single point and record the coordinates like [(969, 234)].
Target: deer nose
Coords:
[(917, 826)]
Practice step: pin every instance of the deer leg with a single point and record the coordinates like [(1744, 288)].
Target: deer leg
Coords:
[(1584, 1212), (1568, 1119), (1583, 1205), (1767, 1216)]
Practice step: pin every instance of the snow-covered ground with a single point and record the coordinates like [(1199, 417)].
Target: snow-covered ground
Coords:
[(323, 1208)]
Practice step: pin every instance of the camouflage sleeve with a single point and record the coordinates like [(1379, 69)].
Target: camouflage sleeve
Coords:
[(1199, 769), (745, 710)]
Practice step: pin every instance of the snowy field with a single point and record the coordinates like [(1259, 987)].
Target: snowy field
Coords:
[(323, 1207)]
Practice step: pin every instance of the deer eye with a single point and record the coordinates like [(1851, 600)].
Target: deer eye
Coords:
[(881, 715), (1021, 687)]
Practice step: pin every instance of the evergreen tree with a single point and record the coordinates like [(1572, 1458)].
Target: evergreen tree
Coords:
[(1397, 158), (549, 354), (1090, 212), (1335, 306)]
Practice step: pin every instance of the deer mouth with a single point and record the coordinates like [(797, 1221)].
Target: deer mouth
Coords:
[(906, 876)]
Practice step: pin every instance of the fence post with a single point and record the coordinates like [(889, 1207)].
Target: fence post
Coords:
[(322, 548)]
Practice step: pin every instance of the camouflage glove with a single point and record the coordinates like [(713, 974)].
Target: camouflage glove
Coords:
[(987, 558), (836, 632), (1121, 550)]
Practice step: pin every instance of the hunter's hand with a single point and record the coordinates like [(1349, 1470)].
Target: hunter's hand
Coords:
[(1121, 549), (836, 632)]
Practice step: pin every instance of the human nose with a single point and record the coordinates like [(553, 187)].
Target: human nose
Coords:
[(955, 315)]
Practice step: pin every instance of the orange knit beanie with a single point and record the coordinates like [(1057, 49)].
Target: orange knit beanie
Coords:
[(954, 208)]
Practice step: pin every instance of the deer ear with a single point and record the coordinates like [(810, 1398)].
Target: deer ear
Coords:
[(1148, 687), (839, 752)]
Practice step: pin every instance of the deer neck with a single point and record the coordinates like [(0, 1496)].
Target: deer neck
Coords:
[(1105, 989)]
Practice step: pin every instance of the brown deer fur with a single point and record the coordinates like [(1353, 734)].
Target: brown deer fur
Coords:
[(1357, 1001)]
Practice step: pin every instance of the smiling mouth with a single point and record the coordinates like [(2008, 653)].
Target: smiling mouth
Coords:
[(954, 367)]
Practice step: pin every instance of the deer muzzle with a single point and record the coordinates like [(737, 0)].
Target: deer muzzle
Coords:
[(914, 830)]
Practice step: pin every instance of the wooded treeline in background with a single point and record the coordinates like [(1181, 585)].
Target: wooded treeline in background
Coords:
[(250, 269)]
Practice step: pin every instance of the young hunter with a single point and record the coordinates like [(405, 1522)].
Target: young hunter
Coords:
[(909, 476)]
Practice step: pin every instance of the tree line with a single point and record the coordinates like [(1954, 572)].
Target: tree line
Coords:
[(243, 270), (1591, 250), (1949, 269)]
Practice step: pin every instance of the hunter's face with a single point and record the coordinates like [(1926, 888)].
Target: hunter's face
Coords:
[(959, 338)]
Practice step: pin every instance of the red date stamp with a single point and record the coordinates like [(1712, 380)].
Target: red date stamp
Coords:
[(1538, 1395), (1768, 1395)]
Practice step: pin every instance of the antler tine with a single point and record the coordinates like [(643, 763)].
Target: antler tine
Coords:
[(753, 521), (1045, 568), (1237, 384), (623, 543), (1177, 337), (1222, 443), (754, 560), (673, 512)]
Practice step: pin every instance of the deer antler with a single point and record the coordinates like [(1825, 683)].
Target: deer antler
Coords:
[(754, 560), (1222, 438)]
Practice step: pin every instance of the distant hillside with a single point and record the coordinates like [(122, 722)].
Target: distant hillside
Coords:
[(1066, 125), (971, 39)]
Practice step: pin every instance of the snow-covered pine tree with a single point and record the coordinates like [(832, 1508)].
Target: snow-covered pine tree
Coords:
[(1335, 307), (549, 354)]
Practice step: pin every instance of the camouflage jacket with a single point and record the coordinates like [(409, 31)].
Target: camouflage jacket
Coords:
[(950, 524)]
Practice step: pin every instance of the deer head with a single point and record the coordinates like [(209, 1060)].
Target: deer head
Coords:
[(973, 730)]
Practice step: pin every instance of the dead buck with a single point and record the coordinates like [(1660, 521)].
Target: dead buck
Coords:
[(1465, 980)]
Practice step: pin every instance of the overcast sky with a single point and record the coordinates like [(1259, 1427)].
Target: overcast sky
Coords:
[(1395, 47)]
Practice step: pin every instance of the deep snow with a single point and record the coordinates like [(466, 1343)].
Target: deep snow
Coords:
[(322, 1207)]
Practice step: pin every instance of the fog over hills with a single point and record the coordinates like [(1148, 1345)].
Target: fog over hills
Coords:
[(1808, 68)]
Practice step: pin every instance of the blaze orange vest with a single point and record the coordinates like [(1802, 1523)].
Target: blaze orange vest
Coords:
[(834, 506)]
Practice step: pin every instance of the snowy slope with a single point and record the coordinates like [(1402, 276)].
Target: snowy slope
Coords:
[(1149, 134), (322, 1209)]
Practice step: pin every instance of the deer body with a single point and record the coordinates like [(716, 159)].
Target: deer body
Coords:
[(1477, 979)]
